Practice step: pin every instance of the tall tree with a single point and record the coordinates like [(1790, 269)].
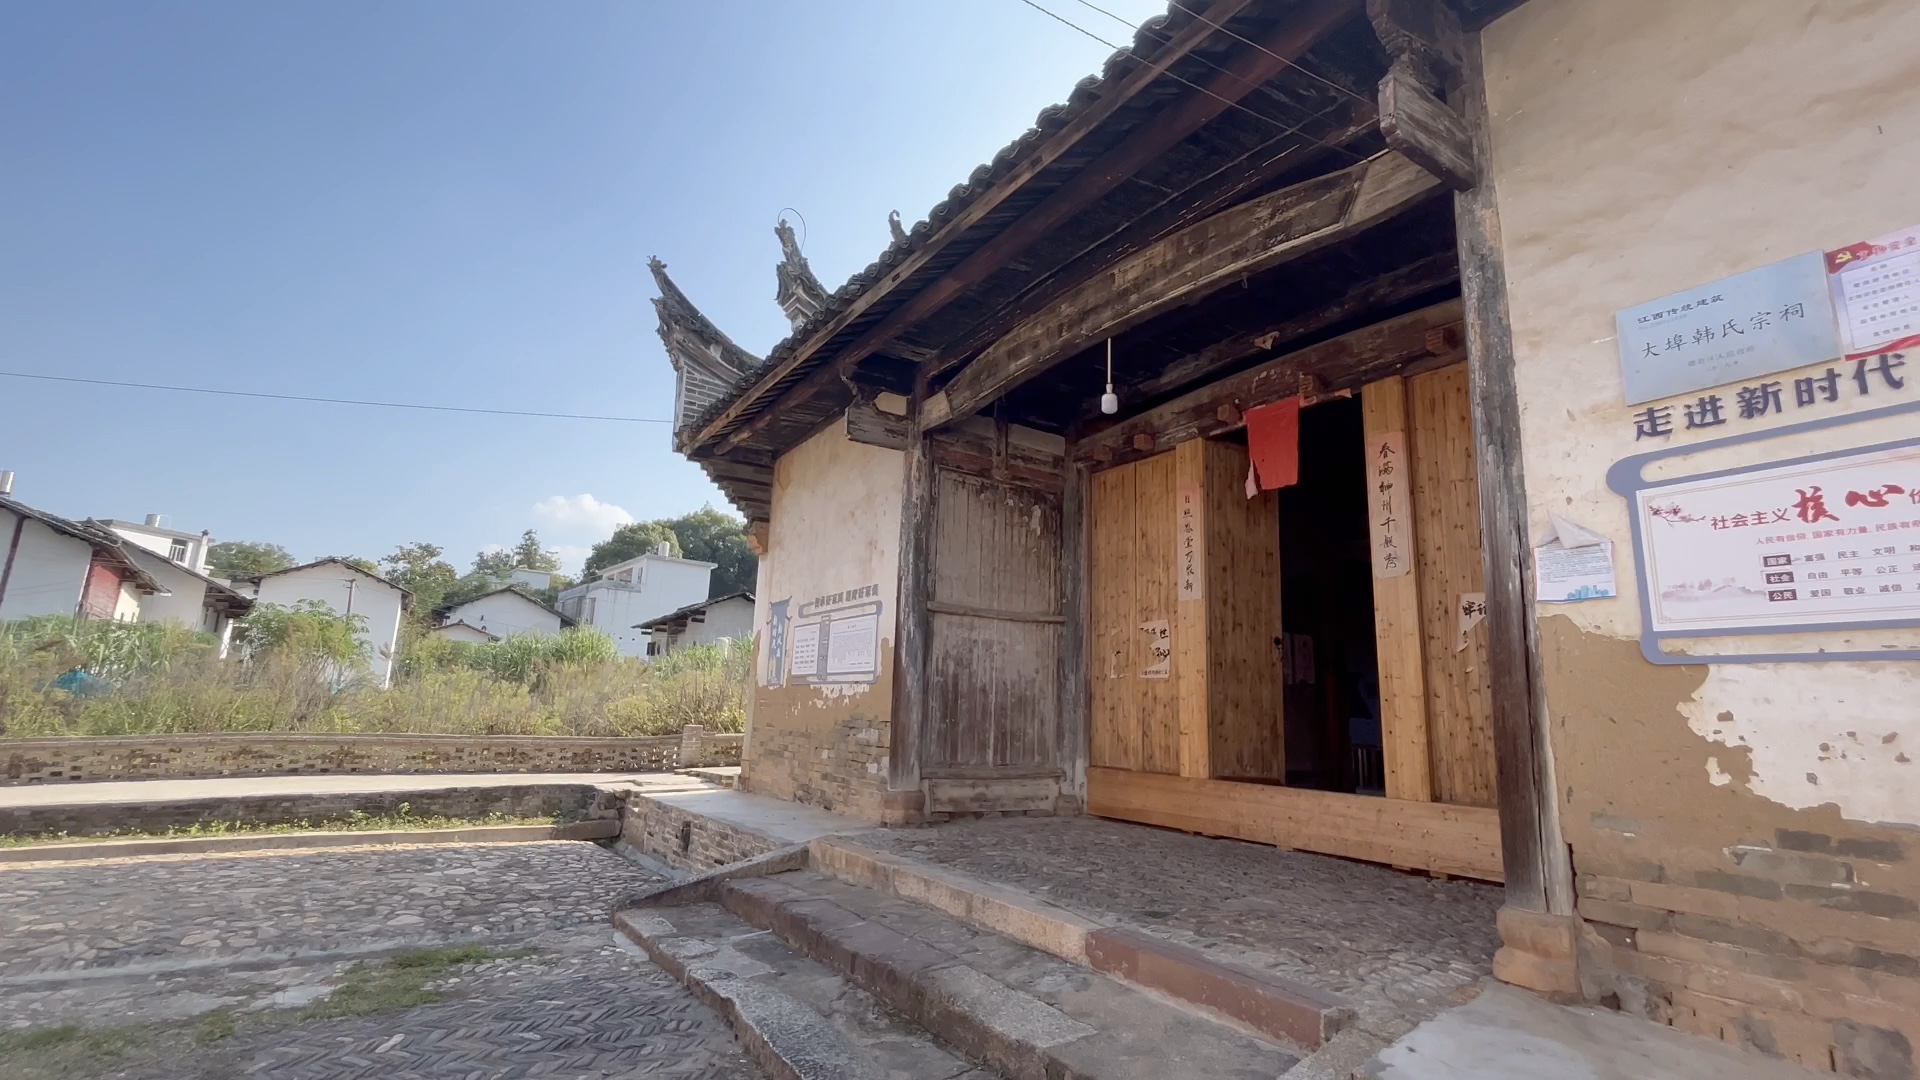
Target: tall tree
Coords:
[(629, 542), (419, 569), (707, 534), (717, 537), (493, 564), (530, 554), (242, 558)]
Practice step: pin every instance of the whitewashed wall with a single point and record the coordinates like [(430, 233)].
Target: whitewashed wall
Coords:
[(328, 583), (1643, 147), (49, 570), (506, 614)]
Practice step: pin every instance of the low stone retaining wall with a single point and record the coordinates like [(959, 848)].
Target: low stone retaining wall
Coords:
[(571, 802), (686, 840), (184, 757)]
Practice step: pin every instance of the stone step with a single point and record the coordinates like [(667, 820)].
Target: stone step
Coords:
[(797, 1019), (1026, 1013), (1278, 1008)]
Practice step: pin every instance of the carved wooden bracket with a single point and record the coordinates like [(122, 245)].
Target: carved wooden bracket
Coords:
[(1423, 38)]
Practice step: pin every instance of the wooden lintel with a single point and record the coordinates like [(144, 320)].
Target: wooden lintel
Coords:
[(1256, 236), (1111, 101), (1416, 279), (1421, 126), (1346, 362), (867, 424)]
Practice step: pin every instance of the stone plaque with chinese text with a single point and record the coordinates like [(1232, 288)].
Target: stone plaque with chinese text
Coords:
[(1766, 320)]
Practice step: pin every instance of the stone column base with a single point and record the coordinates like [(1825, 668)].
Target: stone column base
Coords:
[(1538, 952), (903, 808)]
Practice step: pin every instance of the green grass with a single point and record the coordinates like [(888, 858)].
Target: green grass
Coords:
[(398, 983), (70, 1052), (357, 821)]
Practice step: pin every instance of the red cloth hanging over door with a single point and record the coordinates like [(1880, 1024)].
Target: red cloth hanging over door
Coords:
[(1273, 440)]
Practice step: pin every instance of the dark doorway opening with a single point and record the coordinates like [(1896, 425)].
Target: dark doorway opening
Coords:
[(1328, 667)]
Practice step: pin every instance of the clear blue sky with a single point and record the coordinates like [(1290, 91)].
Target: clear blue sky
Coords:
[(449, 203)]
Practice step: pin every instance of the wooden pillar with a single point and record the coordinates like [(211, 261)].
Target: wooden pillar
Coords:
[(1538, 871), (1075, 705), (1397, 618), (1191, 670), (916, 583)]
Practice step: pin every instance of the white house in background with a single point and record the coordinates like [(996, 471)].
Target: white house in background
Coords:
[(459, 631), (52, 566), (501, 613), (346, 590), (192, 599), (178, 561), (634, 591), (190, 550), (723, 618), (536, 580)]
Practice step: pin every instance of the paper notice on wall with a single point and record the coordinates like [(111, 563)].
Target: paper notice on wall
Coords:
[(1189, 570), (1876, 289), (1159, 650), (1472, 608), (1572, 563), (853, 645), (803, 650)]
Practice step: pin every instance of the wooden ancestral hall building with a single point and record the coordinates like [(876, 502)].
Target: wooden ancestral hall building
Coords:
[(1385, 241)]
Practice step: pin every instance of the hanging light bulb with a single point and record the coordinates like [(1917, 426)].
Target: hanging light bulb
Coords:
[(1109, 401)]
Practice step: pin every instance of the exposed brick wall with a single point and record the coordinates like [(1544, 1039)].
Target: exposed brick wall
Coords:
[(685, 840), (573, 802), (39, 761), (1795, 947), (839, 766)]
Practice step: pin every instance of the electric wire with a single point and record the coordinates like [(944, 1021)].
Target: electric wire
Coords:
[(329, 400)]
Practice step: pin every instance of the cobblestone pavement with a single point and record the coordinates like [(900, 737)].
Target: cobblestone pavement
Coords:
[(1401, 946), (152, 952)]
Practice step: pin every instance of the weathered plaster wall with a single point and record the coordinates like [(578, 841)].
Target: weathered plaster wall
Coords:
[(835, 527), (1744, 835)]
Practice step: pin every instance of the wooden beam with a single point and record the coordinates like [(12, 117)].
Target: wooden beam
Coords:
[(1459, 840), (1191, 670), (1179, 270), (1253, 67), (1400, 646), (1413, 280), (1425, 33), (914, 621), (1351, 360), (867, 424), (1539, 875), (1118, 96), (1422, 127), (1232, 182), (1075, 702)]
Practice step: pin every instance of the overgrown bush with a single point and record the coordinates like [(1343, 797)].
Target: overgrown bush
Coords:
[(299, 670)]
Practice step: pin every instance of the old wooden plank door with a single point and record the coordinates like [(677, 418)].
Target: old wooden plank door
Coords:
[(995, 620)]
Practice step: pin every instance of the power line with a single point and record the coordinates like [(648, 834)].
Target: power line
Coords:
[(1302, 68), (1070, 24), (328, 400)]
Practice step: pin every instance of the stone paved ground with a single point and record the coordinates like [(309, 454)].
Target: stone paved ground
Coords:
[(1402, 946), (202, 967)]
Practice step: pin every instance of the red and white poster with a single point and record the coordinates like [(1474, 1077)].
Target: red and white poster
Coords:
[(1876, 293)]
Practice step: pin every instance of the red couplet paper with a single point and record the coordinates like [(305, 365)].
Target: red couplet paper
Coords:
[(1273, 438)]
